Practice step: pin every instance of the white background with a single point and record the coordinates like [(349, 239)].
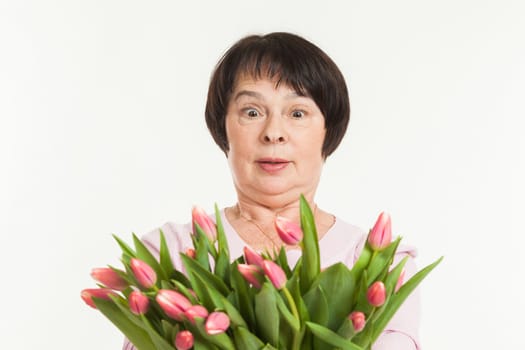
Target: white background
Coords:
[(102, 131)]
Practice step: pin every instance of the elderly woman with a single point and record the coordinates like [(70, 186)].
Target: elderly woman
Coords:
[(277, 107)]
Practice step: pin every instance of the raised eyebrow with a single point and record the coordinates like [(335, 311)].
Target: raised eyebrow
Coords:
[(248, 93), (260, 96)]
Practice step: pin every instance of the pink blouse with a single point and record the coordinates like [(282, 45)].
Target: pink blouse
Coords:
[(342, 243)]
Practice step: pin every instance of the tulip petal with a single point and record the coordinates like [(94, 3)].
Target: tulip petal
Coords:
[(184, 340), (216, 323), (144, 274), (274, 273), (289, 231)]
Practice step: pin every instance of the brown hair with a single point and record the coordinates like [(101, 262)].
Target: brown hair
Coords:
[(291, 60)]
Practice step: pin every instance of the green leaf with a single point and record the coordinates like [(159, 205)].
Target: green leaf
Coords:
[(246, 340), (393, 276), (222, 262), (193, 268), (200, 242), (145, 255), (243, 294), (165, 258), (180, 277), (135, 334), (125, 247), (212, 299), (338, 285), (346, 330), (266, 314), (169, 330), (156, 338), (331, 337), (282, 261), (317, 305), (381, 261), (295, 290), (222, 266), (199, 344), (287, 315), (363, 261), (185, 291), (360, 300), (397, 299), (222, 241), (311, 264)]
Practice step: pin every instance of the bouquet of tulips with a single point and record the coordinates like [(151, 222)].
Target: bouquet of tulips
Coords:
[(257, 301)]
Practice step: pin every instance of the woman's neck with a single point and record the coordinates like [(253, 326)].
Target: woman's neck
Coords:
[(255, 222)]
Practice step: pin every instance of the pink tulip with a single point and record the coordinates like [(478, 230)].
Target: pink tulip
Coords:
[(184, 340), (101, 293), (358, 320), (399, 282), (289, 231), (173, 303), (252, 273), (144, 274), (109, 278), (195, 311), (275, 273), (381, 234), (190, 252), (138, 302), (200, 217), (376, 294), (217, 322), (252, 257)]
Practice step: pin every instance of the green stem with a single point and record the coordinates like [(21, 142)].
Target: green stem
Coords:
[(296, 345), (374, 254)]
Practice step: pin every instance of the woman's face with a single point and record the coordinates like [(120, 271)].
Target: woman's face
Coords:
[(275, 142)]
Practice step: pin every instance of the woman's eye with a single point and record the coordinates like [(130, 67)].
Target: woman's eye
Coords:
[(252, 113), (297, 114)]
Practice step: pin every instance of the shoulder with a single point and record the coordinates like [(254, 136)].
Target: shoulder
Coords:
[(344, 242), (341, 242)]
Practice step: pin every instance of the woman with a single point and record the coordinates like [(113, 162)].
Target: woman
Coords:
[(277, 107)]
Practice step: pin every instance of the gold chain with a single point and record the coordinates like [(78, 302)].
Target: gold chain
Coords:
[(250, 220)]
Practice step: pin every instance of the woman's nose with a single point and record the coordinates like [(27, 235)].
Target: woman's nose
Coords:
[(274, 130)]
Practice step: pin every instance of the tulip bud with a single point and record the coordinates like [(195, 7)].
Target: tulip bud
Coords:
[(252, 258), (358, 320), (200, 217), (109, 278), (251, 273), (184, 340), (217, 322), (196, 311), (376, 294), (173, 303), (190, 252), (275, 273), (101, 293), (381, 234), (399, 282), (289, 231), (144, 274), (138, 302)]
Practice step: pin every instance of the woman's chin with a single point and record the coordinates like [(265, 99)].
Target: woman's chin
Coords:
[(277, 189)]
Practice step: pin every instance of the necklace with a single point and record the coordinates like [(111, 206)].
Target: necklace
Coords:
[(275, 244)]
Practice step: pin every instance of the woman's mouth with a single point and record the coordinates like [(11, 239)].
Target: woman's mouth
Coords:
[(272, 165)]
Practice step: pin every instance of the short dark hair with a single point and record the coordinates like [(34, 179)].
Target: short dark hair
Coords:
[(291, 60)]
